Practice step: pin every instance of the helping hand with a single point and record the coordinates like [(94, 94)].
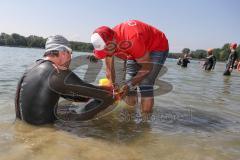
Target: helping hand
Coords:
[(123, 91)]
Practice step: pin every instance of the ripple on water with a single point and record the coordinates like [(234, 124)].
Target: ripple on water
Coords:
[(208, 129)]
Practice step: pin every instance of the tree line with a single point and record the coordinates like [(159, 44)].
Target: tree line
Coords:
[(32, 41), (220, 53), (16, 40)]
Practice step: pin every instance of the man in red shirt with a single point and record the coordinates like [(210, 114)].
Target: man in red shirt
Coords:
[(143, 47)]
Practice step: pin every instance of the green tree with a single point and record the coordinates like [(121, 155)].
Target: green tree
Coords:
[(2, 42), (216, 53), (224, 53), (223, 56), (186, 51), (226, 47), (19, 40), (80, 46), (200, 54), (7, 39), (36, 42), (192, 54)]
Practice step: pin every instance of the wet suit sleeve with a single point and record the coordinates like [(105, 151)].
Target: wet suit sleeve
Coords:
[(214, 62), (75, 98), (232, 58), (58, 86), (235, 57), (69, 85)]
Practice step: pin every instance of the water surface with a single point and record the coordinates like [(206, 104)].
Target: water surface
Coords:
[(199, 119)]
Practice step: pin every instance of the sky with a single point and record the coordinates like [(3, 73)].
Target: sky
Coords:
[(195, 24)]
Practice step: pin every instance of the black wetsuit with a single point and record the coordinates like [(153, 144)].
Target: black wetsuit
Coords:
[(41, 87), (210, 63), (185, 62), (230, 63), (179, 62)]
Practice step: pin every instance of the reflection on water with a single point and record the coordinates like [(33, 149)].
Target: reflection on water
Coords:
[(227, 86), (198, 119)]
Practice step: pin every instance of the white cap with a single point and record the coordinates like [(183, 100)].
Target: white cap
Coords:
[(98, 42), (58, 43)]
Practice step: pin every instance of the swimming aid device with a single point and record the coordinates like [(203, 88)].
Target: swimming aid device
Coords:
[(104, 82), (107, 83)]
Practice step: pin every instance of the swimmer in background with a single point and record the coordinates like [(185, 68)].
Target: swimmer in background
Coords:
[(231, 59), (235, 64), (179, 61), (185, 61), (50, 78), (210, 61)]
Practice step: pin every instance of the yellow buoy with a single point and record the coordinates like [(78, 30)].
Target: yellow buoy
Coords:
[(104, 82)]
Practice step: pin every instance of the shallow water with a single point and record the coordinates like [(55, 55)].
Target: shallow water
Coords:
[(198, 119)]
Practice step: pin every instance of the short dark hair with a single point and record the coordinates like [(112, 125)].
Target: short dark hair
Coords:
[(53, 53)]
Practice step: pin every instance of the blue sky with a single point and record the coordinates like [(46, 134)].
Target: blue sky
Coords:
[(187, 23)]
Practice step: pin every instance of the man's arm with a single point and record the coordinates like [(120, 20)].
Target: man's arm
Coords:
[(214, 62), (70, 86), (235, 57), (231, 60), (142, 56), (110, 69), (76, 98), (146, 67)]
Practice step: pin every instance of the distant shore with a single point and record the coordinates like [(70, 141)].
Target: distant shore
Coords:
[(36, 48), (32, 41)]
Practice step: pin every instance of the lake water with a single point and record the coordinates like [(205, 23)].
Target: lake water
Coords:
[(198, 120)]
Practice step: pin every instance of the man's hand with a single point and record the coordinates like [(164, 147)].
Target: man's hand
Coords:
[(123, 91), (92, 59)]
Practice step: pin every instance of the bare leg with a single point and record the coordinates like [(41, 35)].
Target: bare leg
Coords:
[(147, 104), (131, 100)]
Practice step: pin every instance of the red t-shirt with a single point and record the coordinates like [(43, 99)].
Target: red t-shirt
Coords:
[(135, 39)]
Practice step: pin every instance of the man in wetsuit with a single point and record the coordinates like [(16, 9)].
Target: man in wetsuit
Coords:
[(185, 61), (144, 49), (210, 61), (48, 79), (231, 59), (179, 62)]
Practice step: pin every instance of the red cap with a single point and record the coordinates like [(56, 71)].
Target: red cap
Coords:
[(100, 54), (106, 33), (233, 45), (100, 37)]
